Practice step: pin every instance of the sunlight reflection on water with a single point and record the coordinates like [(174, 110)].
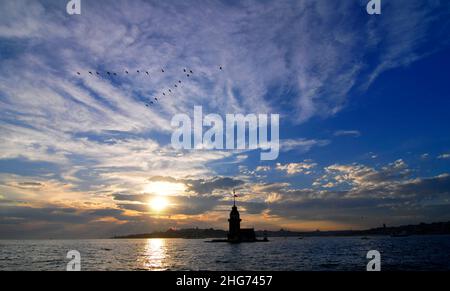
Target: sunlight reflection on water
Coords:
[(155, 255)]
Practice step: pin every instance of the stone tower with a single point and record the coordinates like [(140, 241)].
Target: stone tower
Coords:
[(234, 224)]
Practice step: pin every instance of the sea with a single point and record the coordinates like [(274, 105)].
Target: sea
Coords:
[(413, 253)]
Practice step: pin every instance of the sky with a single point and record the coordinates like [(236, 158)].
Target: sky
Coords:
[(363, 103)]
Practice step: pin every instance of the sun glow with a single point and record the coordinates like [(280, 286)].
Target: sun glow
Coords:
[(159, 204), (165, 188)]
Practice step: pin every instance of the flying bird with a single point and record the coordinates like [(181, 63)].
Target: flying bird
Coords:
[(170, 91), (179, 81), (147, 72), (184, 70), (191, 72), (221, 68), (78, 73), (188, 75), (90, 73), (126, 72), (176, 86), (138, 71), (162, 70)]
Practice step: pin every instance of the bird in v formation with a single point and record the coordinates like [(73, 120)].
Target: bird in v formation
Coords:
[(188, 74)]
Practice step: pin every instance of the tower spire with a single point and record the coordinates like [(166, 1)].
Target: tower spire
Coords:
[(234, 197)]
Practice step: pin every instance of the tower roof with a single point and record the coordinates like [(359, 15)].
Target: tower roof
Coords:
[(234, 212)]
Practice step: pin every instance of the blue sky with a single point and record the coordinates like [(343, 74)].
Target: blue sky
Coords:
[(363, 102)]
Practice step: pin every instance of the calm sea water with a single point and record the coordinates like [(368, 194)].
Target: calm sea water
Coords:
[(309, 254)]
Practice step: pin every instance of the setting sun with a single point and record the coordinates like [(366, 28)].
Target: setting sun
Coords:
[(158, 204)]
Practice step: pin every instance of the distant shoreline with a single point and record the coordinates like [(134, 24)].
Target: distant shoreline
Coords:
[(437, 228)]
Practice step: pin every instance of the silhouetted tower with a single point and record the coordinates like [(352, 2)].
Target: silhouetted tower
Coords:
[(234, 222)]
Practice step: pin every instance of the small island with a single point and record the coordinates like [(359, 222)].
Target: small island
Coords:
[(236, 234)]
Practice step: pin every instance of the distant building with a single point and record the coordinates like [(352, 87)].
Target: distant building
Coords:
[(236, 234)]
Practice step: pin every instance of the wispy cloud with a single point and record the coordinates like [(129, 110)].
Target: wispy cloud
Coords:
[(301, 145), (352, 133), (296, 168), (444, 156)]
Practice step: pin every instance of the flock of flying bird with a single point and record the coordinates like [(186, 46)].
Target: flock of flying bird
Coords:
[(188, 73)]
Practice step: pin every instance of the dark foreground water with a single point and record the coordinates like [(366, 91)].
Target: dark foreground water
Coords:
[(310, 254)]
